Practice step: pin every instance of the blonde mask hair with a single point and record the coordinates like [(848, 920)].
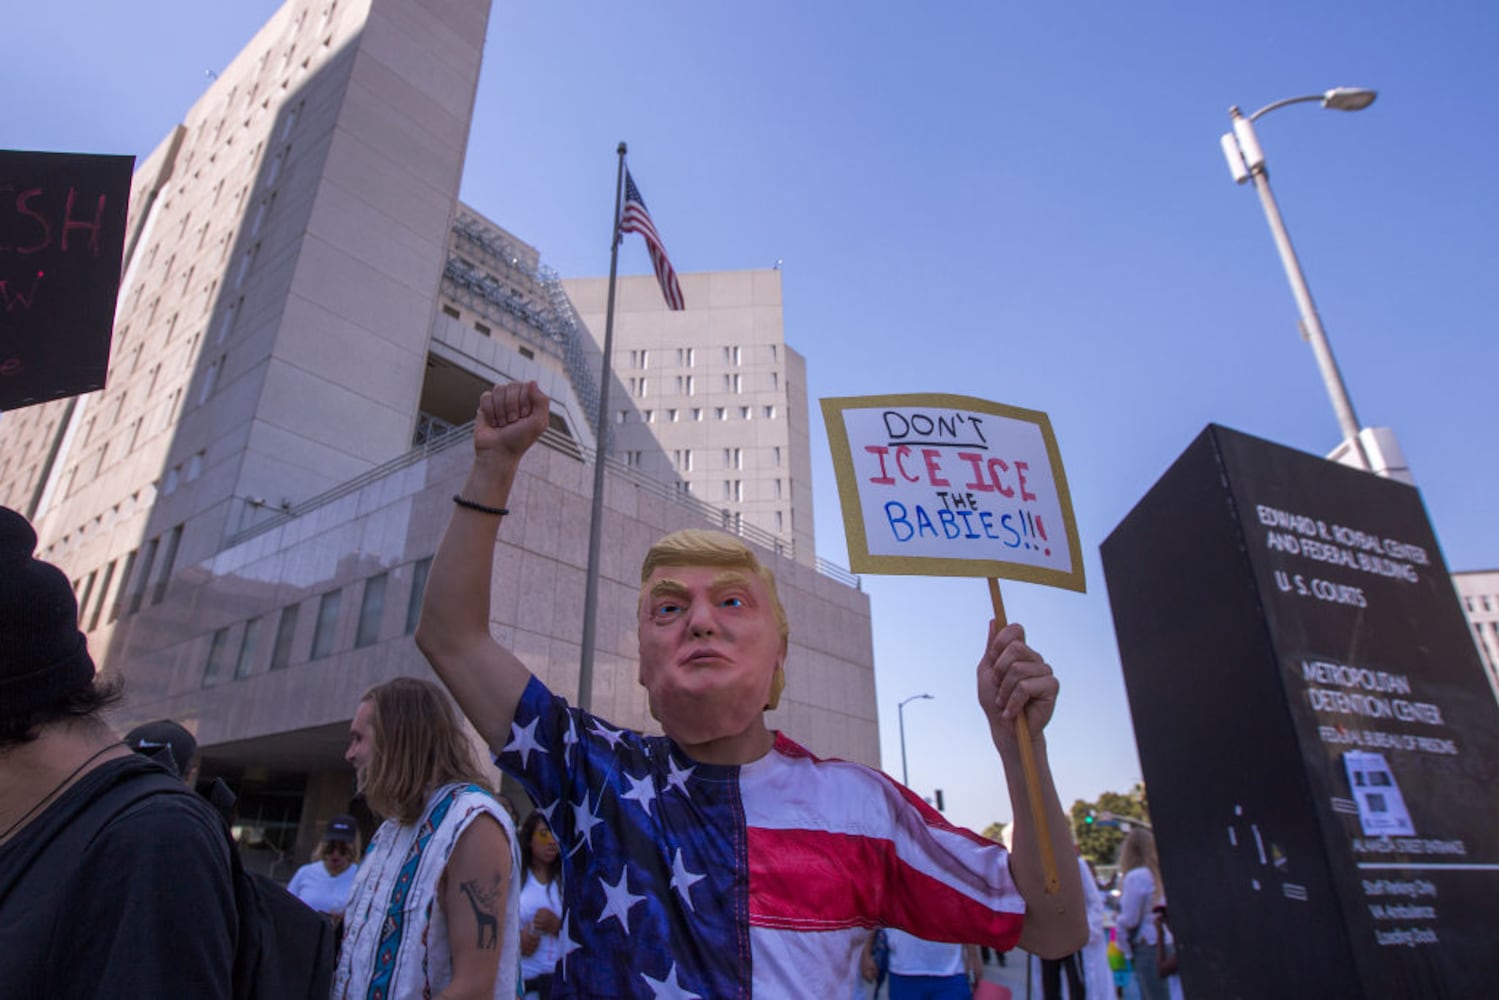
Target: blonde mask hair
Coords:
[(702, 547)]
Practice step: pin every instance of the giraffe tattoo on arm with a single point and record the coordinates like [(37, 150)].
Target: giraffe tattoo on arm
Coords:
[(485, 903)]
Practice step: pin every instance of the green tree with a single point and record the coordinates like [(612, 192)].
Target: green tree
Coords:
[(994, 831), (1098, 840)]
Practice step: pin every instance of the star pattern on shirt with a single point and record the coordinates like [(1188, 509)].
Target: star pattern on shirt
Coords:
[(683, 880), (669, 988), (565, 938), (642, 790), (523, 741), (676, 777), (607, 732), (570, 738), (584, 820), (618, 899)]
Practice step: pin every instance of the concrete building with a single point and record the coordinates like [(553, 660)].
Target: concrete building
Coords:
[(1479, 592), (712, 395), (306, 318)]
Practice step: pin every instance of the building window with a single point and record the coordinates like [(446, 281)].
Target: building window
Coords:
[(777, 489), (769, 412), (88, 590), (448, 310), (210, 381), (650, 416), (109, 572), (168, 564), (697, 413), (120, 596), (780, 526), (684, 357), (744, 413), (719, 413), (286, 630), (739, 491), (775, 380), (482, 328), (327, 624), (371, 607), (245, 662), (624, 416), (419, 571), (671, 416), (217, 650), (527, 353), (738, 382)]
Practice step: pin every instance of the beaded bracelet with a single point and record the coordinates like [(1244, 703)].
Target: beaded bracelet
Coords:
[(497, 511)]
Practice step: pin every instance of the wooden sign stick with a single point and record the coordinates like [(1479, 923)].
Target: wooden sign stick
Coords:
[(1028, 766)]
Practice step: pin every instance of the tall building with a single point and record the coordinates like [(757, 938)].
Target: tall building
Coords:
[(1479, 592), (712, 396), (306, 318)]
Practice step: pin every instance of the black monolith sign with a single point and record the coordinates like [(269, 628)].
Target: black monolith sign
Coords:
[(1318, 738), (62, 236)]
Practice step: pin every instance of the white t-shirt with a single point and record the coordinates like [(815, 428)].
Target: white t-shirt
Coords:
[(323, 892), (537, 895), (1136, 903), (914, 956)]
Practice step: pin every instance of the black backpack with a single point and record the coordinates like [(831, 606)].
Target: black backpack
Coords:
[(284, 950), (285, 947)]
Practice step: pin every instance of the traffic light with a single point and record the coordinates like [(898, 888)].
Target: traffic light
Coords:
[(940, 806), (1088, 819)]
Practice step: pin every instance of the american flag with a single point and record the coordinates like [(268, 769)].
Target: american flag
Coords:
[(684, 880), (636, 218)]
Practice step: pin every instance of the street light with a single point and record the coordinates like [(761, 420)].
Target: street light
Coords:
[(1246, 161), (900, 710)]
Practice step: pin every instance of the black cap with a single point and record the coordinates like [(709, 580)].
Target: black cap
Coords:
[(166, 742), (341, 828), (45, 657)]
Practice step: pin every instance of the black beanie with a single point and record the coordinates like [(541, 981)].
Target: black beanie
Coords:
[(43, 656)]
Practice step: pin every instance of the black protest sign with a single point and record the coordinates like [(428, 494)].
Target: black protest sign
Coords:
[(62, 237), (1318, 735)]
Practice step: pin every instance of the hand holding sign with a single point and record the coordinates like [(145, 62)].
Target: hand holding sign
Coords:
[(944, 485)]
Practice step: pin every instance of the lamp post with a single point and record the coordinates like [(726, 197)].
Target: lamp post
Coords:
[(900, 710), (1246, 161)]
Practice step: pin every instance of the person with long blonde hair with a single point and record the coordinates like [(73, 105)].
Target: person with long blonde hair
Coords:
[(445, 858), (1141, 891)]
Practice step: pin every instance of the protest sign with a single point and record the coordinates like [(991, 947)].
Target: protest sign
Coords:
[(62, 238), (943, 485)]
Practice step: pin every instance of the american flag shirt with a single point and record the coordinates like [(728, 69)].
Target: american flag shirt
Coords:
[(689, 880)]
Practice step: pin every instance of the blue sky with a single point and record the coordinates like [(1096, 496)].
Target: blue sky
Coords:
[(1020, 202)]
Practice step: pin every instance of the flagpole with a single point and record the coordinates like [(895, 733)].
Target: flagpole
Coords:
[(601, 450)]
